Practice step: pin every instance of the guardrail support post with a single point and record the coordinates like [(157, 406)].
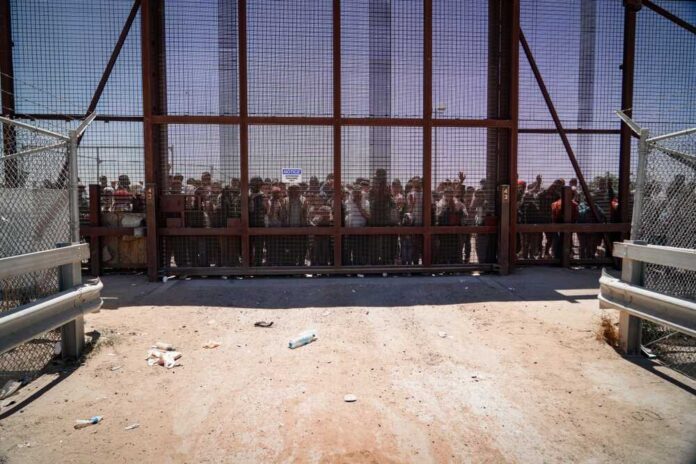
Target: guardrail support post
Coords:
[(630, 326), (72, 334)]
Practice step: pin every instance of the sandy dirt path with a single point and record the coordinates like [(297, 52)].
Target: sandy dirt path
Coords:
[(519, 377)]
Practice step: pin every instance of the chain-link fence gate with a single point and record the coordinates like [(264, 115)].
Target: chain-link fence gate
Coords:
[(38, 204), (665, 214)]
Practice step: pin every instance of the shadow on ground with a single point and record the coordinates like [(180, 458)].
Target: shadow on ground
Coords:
[(538, 284)]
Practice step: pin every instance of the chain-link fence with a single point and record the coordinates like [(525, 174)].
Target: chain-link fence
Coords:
[(666, 215), (34, 216)]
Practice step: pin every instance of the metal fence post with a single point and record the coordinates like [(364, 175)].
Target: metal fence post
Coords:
[(72, 334), (640, 182), (504, 231), (73, 188), (630, 326)]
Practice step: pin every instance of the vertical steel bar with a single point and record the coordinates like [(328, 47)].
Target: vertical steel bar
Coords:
[(566, 237), (630, 326), (74, 202), (427, 128), (338, 176), (629, 46), (152, 50), (514, 117), (243, 128), (95, 221), (640, 182), (7, 86), (72, 334), (504, 243)]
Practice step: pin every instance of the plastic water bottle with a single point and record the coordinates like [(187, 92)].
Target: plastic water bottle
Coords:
[(82, 423), (302, 339)]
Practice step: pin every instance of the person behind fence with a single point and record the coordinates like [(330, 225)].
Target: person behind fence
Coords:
[(257, 217), (122, 195), (322, 253), (107, 195), (357, 214), (294, 213), (274, 248), (382, 248), (450, 212)]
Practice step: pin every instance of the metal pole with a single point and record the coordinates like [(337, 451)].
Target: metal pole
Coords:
[(640, 182), (74, 202), (72, 334)]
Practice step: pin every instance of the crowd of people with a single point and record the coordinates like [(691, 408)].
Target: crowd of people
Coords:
[(365, 202), (537, 204)]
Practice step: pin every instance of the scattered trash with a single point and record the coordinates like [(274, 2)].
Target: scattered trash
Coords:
[(442, 334), (326, 313), (224, 277), (131, 427), (187, 278), (211, 344), (24, 445), (302, 339), (163, 358), (361, 275), (384, 274), (57, 349), (353, 290), (115, 368), (350, 398), (263, 324), (165, 279), (82, 423), (164, 346), (9, 389)]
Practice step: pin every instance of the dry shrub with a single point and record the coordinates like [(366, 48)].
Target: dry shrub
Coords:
[(607, 331)]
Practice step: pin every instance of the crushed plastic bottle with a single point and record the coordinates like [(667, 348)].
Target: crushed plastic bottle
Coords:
[(82, 423), (302, 339)]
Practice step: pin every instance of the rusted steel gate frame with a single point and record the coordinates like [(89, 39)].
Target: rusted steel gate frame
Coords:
[(154, 115), (152, 120)]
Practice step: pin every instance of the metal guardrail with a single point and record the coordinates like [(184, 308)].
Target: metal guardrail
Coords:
[(637, 303), (64, 309)]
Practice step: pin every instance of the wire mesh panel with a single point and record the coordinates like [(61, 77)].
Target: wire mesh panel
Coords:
[(291, 184), (382, 58), (544, 169), (290, 57), (578, 48), (74, 39), (201, 57), (668, 217), (664, 99), (386, 165), (34, 216), (460, 59), (464, 179)]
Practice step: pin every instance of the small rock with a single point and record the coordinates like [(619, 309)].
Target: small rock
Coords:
[(350, 398)]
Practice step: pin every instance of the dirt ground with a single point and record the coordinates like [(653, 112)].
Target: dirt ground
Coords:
[(519, 377)]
